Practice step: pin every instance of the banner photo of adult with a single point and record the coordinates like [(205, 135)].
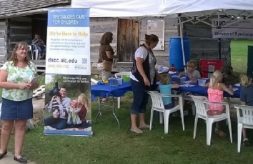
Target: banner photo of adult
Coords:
[(68, 73), (68, 105)]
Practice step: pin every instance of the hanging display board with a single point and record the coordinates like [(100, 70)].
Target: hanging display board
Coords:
[(68, 109), (232, 28)]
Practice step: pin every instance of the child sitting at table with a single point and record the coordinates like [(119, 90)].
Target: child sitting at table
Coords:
[(165, 89), (215, 94), (192, 73), (246, 97)]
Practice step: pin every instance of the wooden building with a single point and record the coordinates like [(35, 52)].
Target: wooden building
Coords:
[(21, 19)]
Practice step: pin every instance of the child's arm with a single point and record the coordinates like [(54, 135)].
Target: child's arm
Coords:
[(77, 110), (175, 86), (182, 73), (225, 88)]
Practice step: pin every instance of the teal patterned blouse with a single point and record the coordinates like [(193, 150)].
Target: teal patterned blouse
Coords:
[(18, 75)]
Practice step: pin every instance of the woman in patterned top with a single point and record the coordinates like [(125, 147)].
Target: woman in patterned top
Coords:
[(17, 80)]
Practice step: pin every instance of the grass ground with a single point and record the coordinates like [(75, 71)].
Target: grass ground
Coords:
[(111, 144)]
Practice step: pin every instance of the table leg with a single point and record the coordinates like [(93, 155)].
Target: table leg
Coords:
[(118, 99), (99, 109), (113, 111)]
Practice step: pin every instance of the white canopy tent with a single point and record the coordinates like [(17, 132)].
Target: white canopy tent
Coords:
[(136, 8), (203, 7), (119, 8), (194, 10), (200, 10)]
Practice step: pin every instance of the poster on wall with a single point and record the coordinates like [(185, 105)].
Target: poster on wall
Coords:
[(156, 26), (68, 99)]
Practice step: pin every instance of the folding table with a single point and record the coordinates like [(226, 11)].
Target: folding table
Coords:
[(106, 90)]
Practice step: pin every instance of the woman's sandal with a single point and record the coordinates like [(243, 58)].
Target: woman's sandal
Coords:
[(144, 127), (136, 130), (20, 159), (3, 154)]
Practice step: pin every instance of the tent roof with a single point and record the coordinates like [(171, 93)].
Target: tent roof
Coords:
[(205, 7), (135, 8), (119, 8), (182, 6)]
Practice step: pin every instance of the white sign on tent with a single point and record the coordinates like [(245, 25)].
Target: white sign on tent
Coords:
[(228, 28)]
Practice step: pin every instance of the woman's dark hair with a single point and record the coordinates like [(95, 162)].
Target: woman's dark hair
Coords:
[(14, 53), (228, 70), (106, 38), (152, 38)]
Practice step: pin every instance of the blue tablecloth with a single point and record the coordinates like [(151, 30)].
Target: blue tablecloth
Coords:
[(104, 90), (199, 90)]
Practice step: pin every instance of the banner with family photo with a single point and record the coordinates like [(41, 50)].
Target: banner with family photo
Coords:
[(68, 99)]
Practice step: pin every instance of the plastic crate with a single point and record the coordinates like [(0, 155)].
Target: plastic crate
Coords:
[(208, 66)]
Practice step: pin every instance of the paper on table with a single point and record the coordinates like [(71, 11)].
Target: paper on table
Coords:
[(172, 72), (187, 85), (187, 82), (237, 84), (235, 89)]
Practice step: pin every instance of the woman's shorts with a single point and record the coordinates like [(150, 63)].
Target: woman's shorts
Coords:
[(16, 110)]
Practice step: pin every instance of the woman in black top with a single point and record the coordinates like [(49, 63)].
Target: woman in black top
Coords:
[(143, 78), (106, 55)]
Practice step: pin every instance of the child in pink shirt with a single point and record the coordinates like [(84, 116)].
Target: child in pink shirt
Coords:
[(215, 94)]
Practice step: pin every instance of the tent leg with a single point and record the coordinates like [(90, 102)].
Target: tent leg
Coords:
[(182, 41), (219, 46)]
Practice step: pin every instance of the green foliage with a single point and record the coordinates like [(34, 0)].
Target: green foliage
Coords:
[(239, 55), (41, 79)]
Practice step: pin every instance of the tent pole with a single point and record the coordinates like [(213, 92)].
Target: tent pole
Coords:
[(219, 40), (182, 41), (219, 47)]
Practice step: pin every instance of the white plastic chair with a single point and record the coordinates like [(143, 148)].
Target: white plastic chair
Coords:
[(202, 104), (244, 120), (40, 91), (120, 74), (157, 105)]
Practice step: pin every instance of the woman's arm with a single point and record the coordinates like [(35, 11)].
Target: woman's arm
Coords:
[(11, 85), (109, 54), (140, 68)]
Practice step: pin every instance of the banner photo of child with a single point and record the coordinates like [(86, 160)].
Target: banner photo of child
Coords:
[(67, 110)]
